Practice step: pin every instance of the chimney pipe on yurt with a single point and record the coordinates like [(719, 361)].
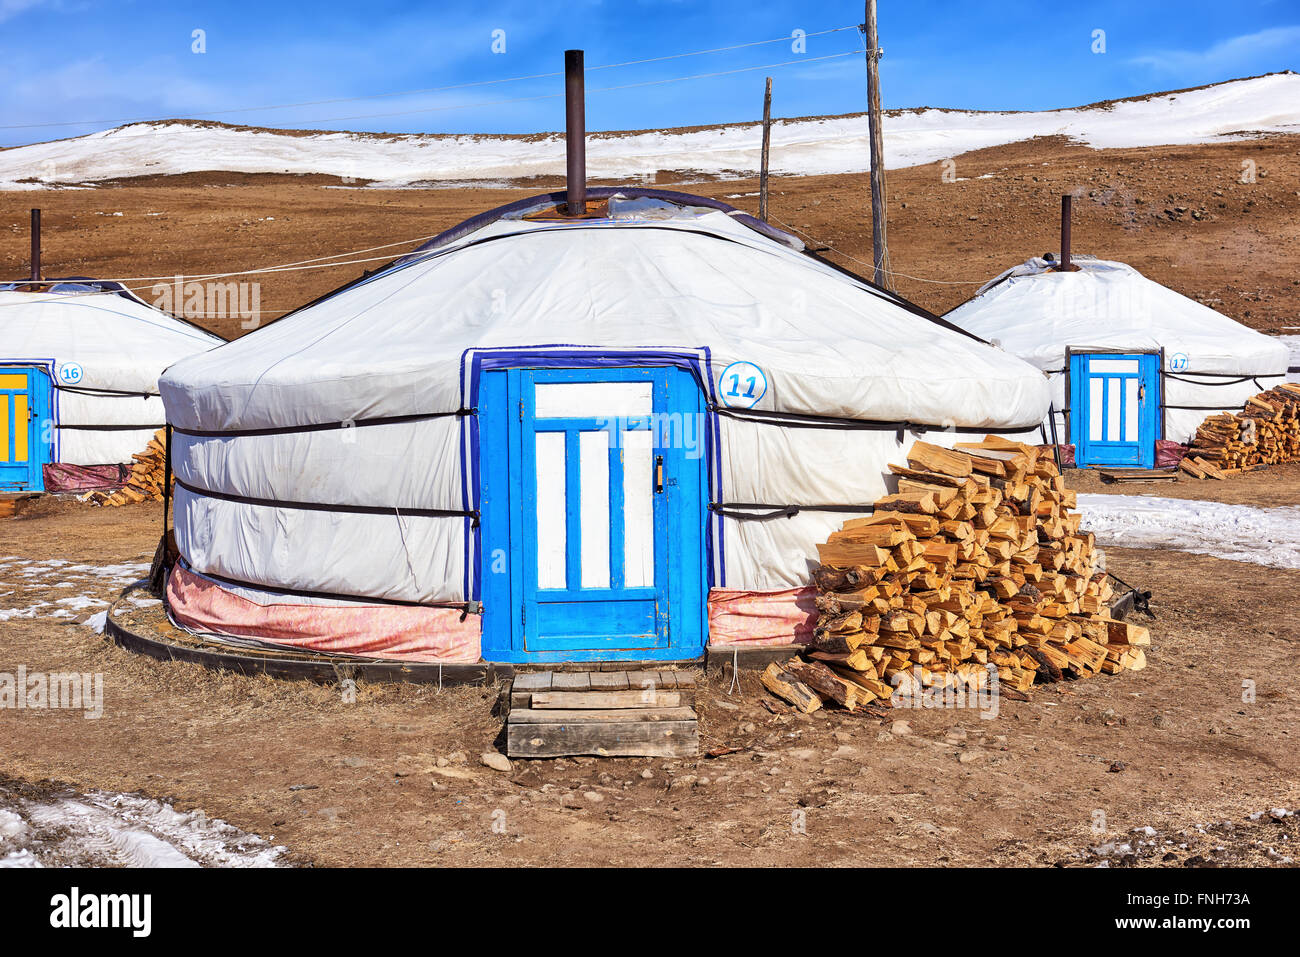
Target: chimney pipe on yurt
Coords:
[(36, 245), (1067, 205), (575, 133)]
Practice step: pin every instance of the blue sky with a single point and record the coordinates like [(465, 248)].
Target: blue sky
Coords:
[(102, 62)]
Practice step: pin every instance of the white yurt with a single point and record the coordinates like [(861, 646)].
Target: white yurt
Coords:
[(542, 437), (79, 367), (1131, 362)]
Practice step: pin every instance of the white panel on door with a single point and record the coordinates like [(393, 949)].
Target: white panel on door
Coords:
[(593, 471), (1130, 410), (1113, 366), (552, 529), (555, 400), (638, 509), (1112, 410), (1094, 409)]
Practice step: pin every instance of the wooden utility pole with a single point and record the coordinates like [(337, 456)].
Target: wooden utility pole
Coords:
[(879, 243), (767, 142)]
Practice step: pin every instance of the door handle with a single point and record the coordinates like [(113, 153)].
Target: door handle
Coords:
[(659, 474)]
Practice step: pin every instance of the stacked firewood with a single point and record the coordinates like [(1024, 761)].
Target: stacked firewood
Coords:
[(1266, 432), (977, 561), (145, 479)]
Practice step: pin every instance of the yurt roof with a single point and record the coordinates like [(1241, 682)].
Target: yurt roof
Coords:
[(121, 342), (654, 271), (1036, 311)]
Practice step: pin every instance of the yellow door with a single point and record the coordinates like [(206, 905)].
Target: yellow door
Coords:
[(23, 401)]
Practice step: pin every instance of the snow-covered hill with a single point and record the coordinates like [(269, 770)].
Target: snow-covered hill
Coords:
[(1238, 108)]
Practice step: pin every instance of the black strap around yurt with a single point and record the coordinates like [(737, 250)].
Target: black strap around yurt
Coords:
[(466, 608), (321, 426), (1226, 381), (1232, 378), (105, 393), (801, 420), (1235, 376), (399, 512), (741, 510), (66, 427)]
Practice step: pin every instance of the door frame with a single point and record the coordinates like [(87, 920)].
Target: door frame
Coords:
[(1074, 398), (499, 555), (42, 406)]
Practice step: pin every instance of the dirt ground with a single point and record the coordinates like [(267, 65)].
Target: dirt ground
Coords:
[(395, 777), (1178, 214), (1275, 486)]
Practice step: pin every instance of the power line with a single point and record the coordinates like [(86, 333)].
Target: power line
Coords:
[(302, 265), (598, 89), (521, 99), (323, 263), (420, 92), (285, 267)]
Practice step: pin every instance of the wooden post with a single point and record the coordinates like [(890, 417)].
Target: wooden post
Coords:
[(36, 245), (767, 142), (879, 244)]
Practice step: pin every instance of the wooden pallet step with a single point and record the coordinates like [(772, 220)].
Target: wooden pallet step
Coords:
[(617, 733), (595, 700), (603, 680), (599, 715), (603, 713)]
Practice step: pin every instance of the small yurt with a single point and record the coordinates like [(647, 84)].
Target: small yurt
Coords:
[(542, 437), (1131, 362), (79, 366)]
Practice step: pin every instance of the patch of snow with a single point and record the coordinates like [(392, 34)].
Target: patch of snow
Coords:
[(9, 614), (98, 622), (1244, 533), (23, 858), (12, 826), (209, 841), (1224, 111), (1293, 344), (130, 571), (104, 829), (81, 602), (102, 837), (30, 581)]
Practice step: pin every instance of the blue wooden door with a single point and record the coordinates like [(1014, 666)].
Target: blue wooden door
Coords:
[(1115, 405), (24, 407), (605, 516)]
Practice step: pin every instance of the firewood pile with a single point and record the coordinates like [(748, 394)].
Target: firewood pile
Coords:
[(144, 481), (977, 561), (1266, 432)]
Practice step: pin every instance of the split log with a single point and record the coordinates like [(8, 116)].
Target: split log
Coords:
[(785, 686)]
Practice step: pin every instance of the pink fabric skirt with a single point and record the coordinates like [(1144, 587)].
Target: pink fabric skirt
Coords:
[(402, 632), (761, 617)]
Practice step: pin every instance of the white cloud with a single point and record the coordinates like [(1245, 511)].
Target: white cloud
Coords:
[(1239, 56), (12, 8)]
